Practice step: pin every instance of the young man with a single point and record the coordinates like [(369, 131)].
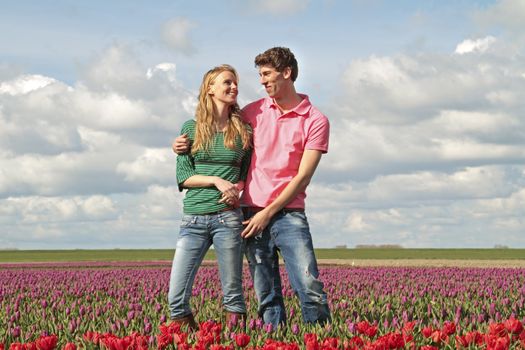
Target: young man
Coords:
[(290, 136)]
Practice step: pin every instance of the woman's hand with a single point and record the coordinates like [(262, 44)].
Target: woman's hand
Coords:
[(230, 192)]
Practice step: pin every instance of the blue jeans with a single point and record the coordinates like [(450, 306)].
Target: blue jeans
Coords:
[(197, 234), (288, 233)]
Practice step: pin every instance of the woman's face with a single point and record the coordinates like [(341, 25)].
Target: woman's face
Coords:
[(224, 89)]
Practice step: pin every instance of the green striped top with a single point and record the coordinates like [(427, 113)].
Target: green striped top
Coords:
[(229, 164)]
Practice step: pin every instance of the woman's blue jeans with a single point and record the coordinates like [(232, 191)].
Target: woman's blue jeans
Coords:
[(197, 234), (288, 232)]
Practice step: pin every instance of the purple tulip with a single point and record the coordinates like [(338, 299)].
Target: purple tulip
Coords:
[(15, 332)]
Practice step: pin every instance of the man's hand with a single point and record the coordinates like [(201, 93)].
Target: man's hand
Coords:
[(230, 192), (232, 198), (256, 224), (181, 144), (230, 201)]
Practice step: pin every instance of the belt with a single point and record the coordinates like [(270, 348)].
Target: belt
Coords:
[(218, 211), (282, 211)]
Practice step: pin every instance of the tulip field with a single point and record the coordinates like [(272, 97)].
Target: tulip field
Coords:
[(122, 305)]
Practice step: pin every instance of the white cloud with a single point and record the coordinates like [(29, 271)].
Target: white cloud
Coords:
[(98, 207), (470, 183), (169, 68), (416, 223), (479, 45), (473, 122), (405, 114), (356, 223), (152, 166), (475, 151), (110, 111), (116, 69), (160, 203), (176, 34), (25, 84), (123, 220), (46, 210), (98, 141), (60, 139)]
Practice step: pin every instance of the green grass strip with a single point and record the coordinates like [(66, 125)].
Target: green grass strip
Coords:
[(349, 254)]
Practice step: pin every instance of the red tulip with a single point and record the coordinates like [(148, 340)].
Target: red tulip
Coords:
[(180, 338), (70, 346), (219, 347), (164, 340), (497, 343), (353, 344), (427, 331), (449, 328), (330, 343), (47, 343), (471, 338), (242, 339), (497, 329), (22, 346), (362, 327), (514, 326), (311, 342), (439, 336), (409, 327)]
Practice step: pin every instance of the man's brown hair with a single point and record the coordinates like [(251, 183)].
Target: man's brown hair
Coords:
[(279, 58)]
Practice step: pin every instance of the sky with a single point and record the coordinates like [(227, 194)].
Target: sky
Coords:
[(426, 101)]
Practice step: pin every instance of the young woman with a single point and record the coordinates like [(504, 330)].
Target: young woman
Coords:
[(213, 173)]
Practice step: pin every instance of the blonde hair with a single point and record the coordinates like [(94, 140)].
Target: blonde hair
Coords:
[(205, 127)]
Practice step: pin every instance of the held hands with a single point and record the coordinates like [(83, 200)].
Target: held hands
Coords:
[(181, 144), (230, 192)]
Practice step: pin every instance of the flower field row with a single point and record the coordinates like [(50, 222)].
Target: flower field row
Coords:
[(124, 307)]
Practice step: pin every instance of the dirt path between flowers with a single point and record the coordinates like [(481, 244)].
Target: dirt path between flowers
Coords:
[(423, 262)]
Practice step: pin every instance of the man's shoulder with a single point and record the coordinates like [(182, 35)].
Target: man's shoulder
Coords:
[(317, 116), (312, 112), (254, 105), (252, 110)]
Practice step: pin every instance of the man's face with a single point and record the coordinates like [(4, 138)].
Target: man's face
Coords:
[(272, 80)]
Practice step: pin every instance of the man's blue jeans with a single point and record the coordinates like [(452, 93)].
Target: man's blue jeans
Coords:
[(288, 233), (197, 234)]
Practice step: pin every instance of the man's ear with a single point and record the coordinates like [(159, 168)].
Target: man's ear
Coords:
[(287, 72)]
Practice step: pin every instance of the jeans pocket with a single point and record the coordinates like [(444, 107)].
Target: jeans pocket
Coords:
[(187, 220), (231, 218)]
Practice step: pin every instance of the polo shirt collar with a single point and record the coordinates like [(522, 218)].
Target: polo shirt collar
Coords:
[(302, 108)]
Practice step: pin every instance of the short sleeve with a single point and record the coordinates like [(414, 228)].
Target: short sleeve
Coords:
[(185, 169), (318, 134)]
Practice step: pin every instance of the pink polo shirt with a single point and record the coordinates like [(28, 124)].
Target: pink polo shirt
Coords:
[(279, 142)]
